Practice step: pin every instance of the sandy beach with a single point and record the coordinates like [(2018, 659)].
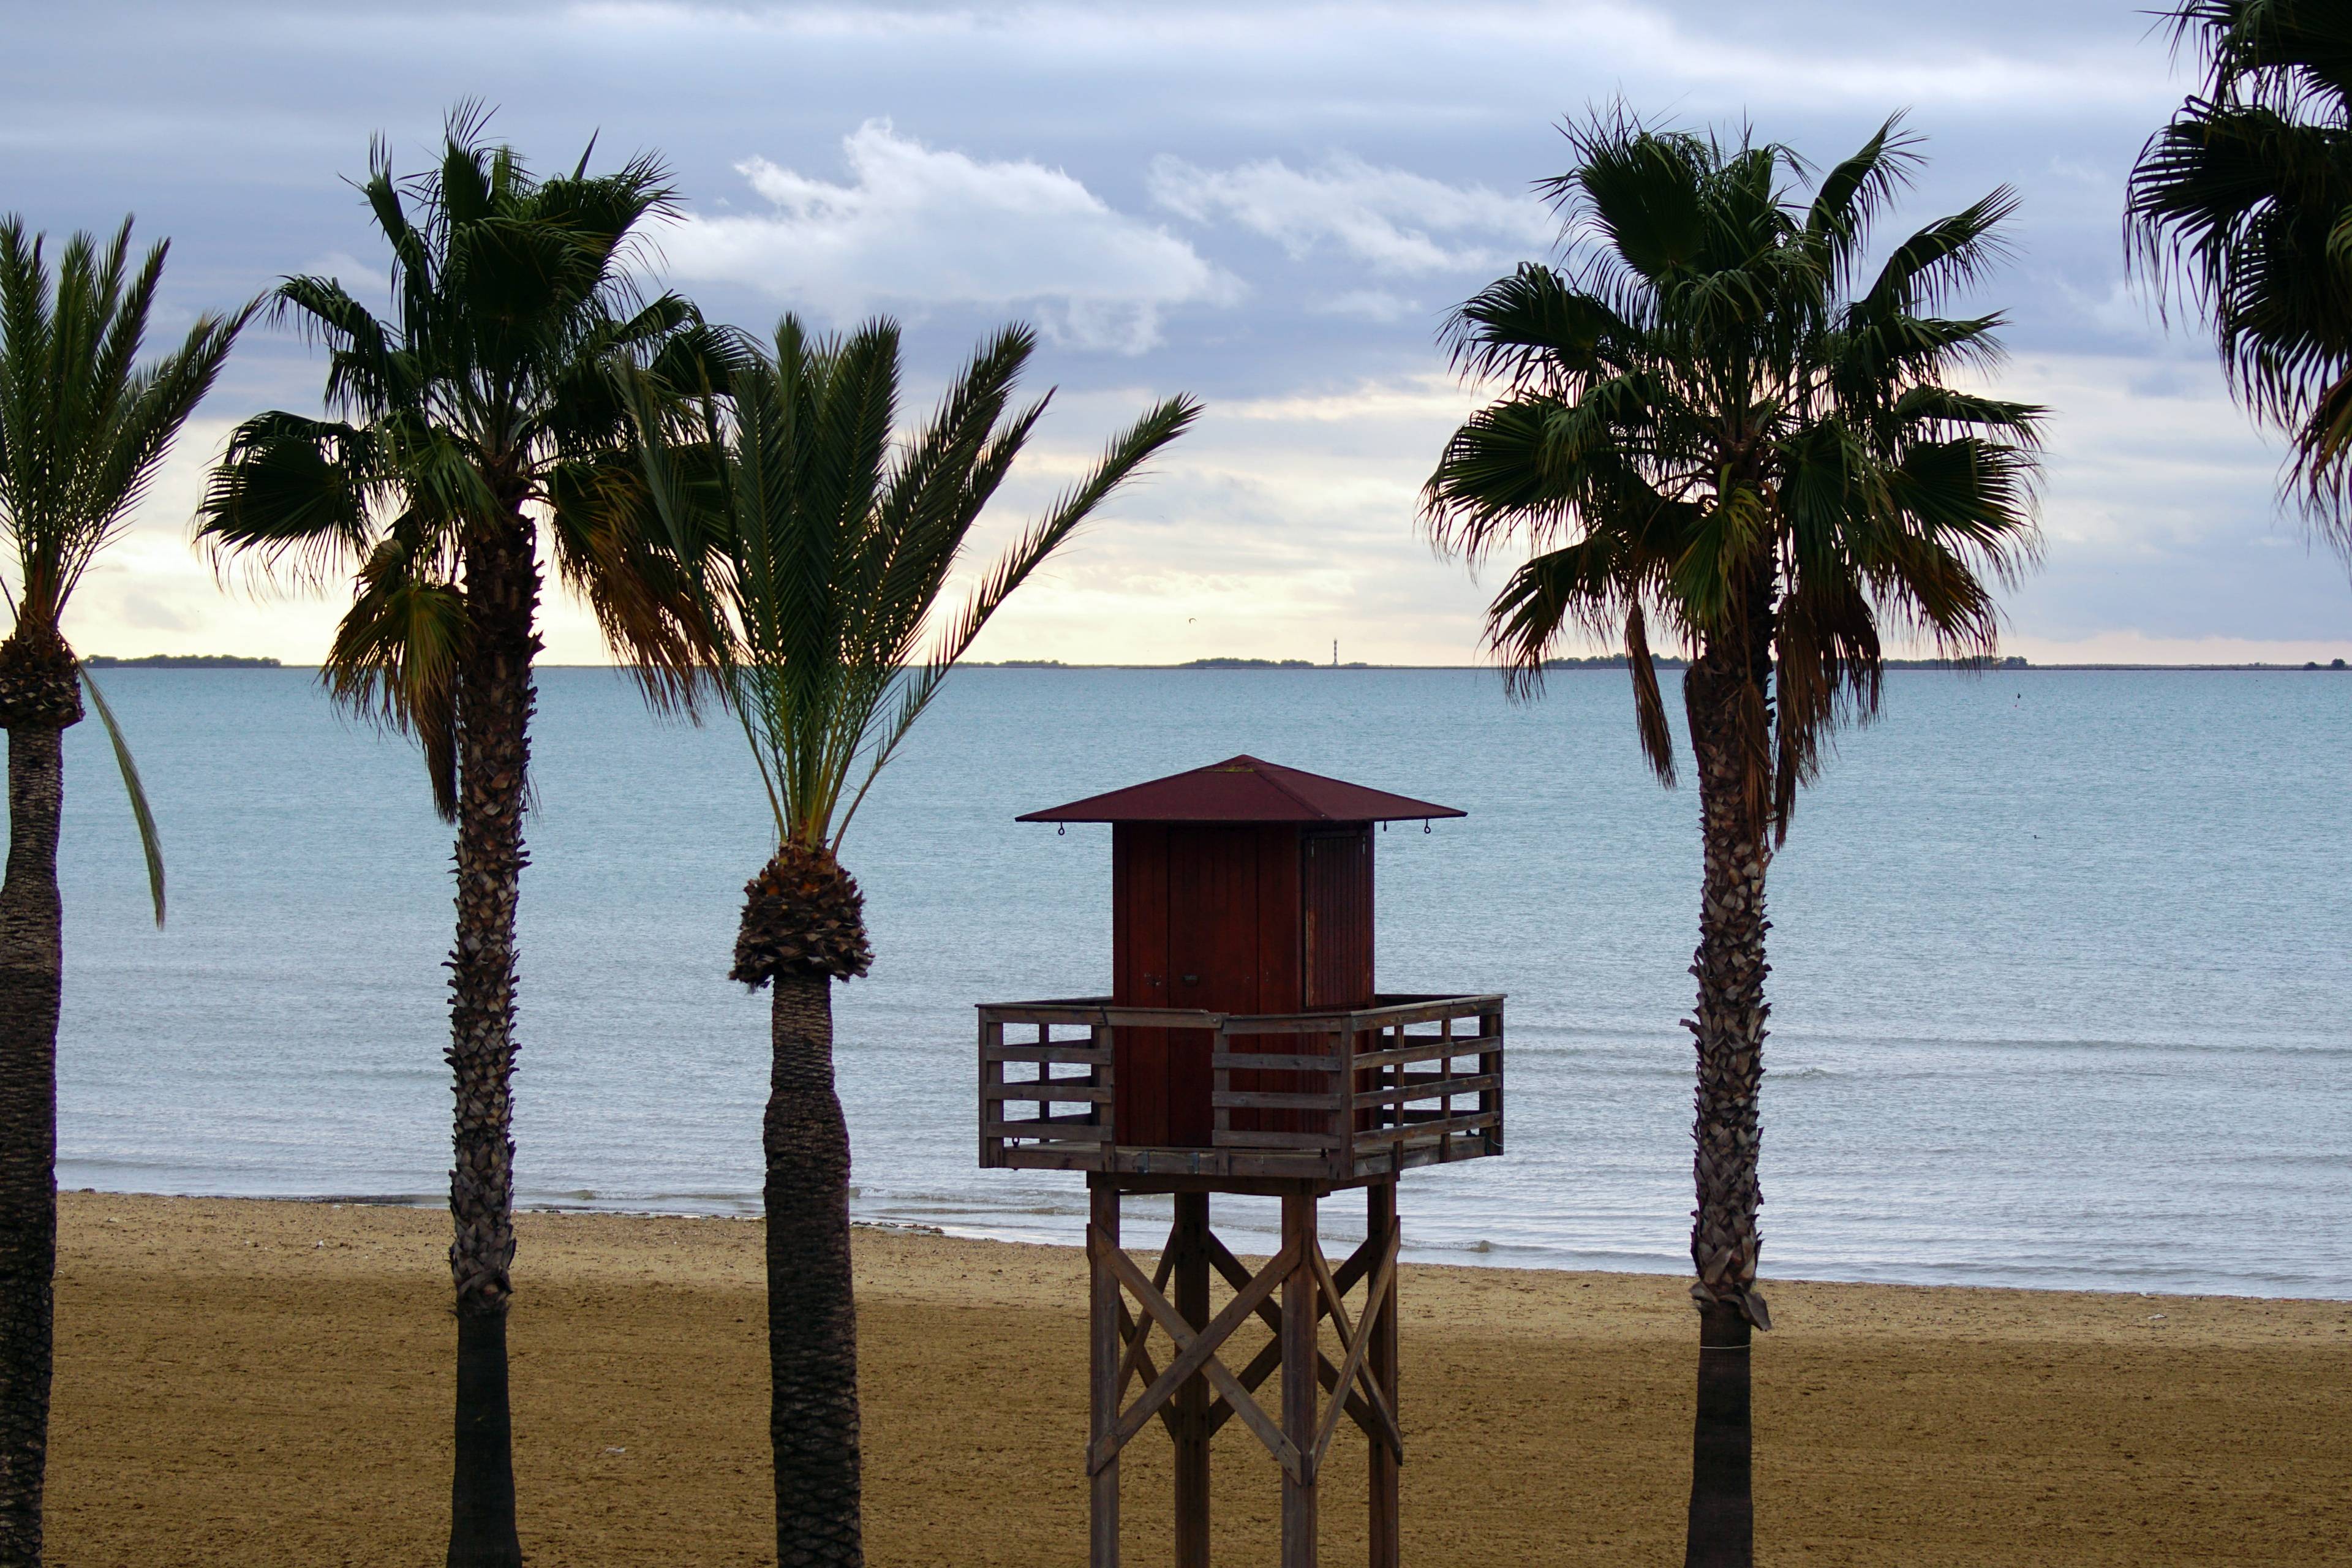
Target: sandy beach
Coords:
[(268, 1384)]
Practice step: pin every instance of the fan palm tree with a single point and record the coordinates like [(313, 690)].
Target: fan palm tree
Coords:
[(2246, 201), (820, 545), (481, 414), (83, 428), (1714, 421)]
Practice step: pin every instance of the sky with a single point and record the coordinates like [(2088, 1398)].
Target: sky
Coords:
[(1271, 206)]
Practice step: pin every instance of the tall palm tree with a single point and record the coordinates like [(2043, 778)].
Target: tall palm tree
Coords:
[(480, 415), (2244, 202), (83, 428), (1714, 421), (819, 543)]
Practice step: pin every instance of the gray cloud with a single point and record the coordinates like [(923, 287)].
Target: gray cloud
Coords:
[(1390, 220), (924, 226)]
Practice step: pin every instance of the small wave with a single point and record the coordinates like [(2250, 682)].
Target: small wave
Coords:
[(1555, 1040), (2087, 1045)]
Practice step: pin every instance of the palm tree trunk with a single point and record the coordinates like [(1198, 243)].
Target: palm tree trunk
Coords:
[(38, 698), (1723, 694), (493, 704), (811, 1314)]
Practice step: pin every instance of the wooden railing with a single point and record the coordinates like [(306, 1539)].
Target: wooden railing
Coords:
[(1413, 1081)]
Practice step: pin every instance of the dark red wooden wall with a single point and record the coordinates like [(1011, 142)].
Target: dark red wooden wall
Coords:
[(1231, 918)]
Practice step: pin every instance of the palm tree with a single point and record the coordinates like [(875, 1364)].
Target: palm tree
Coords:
[(1709, 422), (481, 412), (820, 545), (82, 430), (2244, 201)]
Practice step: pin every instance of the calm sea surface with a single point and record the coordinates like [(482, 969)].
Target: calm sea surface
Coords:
[(2061, 995)]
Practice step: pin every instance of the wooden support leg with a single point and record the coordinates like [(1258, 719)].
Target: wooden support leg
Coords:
[(1191, 1428), (1299, 1381), (1106, 1350), (1380, 1221)]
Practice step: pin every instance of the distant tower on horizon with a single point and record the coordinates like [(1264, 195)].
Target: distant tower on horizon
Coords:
[(1334, 653)]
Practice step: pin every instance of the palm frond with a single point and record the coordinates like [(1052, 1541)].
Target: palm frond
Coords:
[(1948, 255), (150, 844), (396, 654), (1853, 194), (1649, 704), (1536, 323)]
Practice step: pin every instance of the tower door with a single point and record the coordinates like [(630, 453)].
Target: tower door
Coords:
[(1335, 874), (1212, 958), (1212, 919)]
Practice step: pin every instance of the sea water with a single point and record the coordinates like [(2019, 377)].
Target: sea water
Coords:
[(2059, 986)]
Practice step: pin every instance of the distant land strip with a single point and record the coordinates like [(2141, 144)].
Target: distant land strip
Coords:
[(1617, 661), (181, 662)]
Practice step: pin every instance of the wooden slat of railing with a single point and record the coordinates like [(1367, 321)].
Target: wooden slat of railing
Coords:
[(1225, 1140), (1072, 1053), (1073, 1091), (1221, 1084), (1382, 1137), (1079, 1118), (1071, 1013), (1081, 1013), (1428, 1080), (1275, 1061), (1277, 1023), (1428, 1087), (1490, 1064), (1408, 1116), (1059, 1128), (1098, 1010), (1422, 1049), (1445, 1139), (1273, 1099), (1426, 1010), (992, 1071)]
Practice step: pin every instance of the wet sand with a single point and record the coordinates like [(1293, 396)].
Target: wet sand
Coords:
[(268, 1384)]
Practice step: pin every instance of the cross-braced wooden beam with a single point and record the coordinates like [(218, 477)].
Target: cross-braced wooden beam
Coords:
[(1196, 1353), (1368, 1404)]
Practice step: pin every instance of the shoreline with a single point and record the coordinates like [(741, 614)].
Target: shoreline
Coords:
[(1422, 1258), (266, 1382)]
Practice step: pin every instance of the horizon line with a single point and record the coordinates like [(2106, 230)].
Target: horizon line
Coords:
[(1269, 667)]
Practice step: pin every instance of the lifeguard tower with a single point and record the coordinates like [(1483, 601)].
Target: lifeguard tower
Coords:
[(1243, 1048)]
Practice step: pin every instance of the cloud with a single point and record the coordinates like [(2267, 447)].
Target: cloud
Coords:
[(358, 278), (1997, 54), (915, 226), (1389, 219), (1372, 304)]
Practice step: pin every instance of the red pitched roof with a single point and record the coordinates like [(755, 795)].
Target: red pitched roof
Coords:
[(1243, 789)]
